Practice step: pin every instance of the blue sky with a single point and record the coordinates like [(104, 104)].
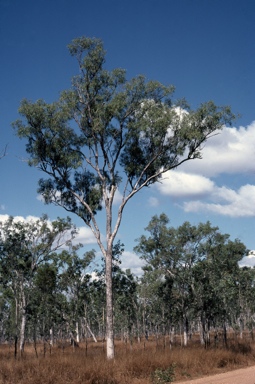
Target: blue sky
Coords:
[(205, 48)]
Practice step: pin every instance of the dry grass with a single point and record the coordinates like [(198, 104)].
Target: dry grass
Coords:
[(133, 365)]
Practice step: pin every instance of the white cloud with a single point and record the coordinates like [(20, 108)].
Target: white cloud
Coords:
[(230, 151), (200, 194), (240, 203), (85, 236), (248, 261), (181, 185), (130, 260), (4, 218), (26, 219)]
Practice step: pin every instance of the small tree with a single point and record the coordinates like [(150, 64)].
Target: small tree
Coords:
[(105, 134), (74, 280)]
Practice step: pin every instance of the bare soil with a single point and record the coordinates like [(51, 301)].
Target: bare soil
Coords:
[(239, 376)]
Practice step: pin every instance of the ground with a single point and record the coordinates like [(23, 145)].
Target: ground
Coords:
[(239, 376)]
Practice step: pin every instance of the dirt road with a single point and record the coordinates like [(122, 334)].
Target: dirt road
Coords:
[(240, 376)]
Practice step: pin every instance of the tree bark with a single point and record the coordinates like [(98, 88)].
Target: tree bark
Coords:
[(109, 306), (23, 321), (90, 331), (185, 331), (172, 333), (77, 332), (225, 339), (51, 336)]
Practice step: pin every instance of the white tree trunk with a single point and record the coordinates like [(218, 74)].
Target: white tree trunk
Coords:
[(23, 321), (109, 307), (90, 331), (185, 338), (77, 332), (201, 332), (185, 331), (241, 327), (51, 336), (172, 333)]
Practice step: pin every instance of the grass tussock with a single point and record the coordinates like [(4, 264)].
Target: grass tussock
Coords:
[(138, 363)]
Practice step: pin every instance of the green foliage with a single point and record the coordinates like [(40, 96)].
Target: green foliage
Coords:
[(162, 376), (46, 279)]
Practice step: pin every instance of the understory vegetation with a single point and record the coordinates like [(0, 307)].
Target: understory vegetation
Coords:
[(145, 362)]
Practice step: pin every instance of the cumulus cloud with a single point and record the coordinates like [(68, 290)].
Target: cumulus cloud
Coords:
[(240, 203), (248, 261), (130, 260), (26, 219), (231, 151), (200, 194), (4, 218), (181, 185), (85, 236)]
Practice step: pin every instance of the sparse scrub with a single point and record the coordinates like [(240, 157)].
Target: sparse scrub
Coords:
[(143, 364)]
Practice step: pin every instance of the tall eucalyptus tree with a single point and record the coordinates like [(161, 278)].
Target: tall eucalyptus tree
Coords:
[(107, 134)]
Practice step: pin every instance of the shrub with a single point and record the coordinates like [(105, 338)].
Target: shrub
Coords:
[(162, 376)]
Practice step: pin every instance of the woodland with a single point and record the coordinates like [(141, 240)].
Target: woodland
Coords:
[(106, 134), (191, 284)]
